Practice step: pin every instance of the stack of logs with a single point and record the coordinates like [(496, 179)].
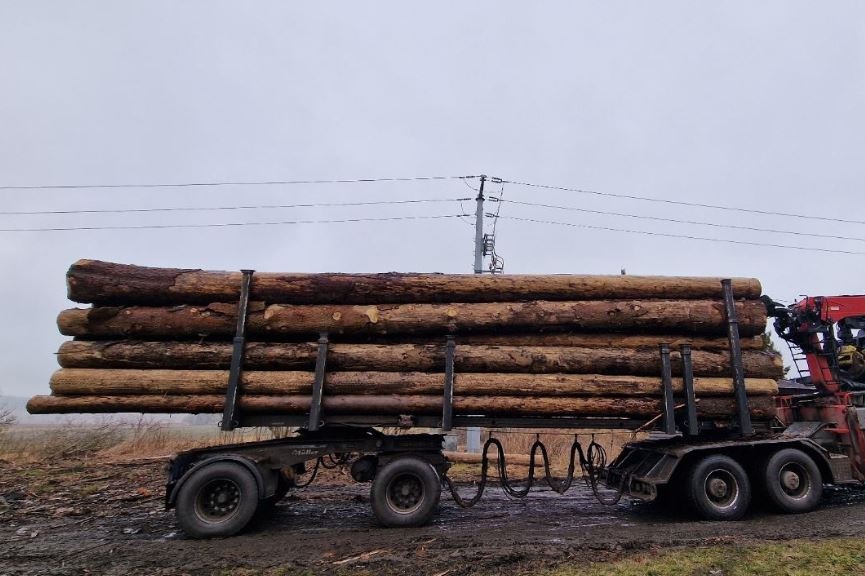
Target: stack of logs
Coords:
[(160, 340)]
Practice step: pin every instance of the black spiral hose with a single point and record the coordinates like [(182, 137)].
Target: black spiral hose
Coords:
[(593, 463)]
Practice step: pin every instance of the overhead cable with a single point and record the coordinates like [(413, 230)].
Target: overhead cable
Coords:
[(232, 183), (226, 208), (682, 221), (684, 203), (683, 236), (232, 224)]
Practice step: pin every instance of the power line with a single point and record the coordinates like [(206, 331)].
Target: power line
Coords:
[(226, 208), (234, 183), (681, 221), (684, 236), (230, 224), (683, 203)]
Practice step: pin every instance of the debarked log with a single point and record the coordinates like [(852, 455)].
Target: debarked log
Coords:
[(405, 357), (761, 408), (84, 381), (218, 320), (93, 281)]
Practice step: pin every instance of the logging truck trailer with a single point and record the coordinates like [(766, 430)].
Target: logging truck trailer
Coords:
[(718, 468)]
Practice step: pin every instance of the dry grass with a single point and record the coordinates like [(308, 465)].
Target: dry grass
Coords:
[(109, 439), (7, 419), (115, 440)]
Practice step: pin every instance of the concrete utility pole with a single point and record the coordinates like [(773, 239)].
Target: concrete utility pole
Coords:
[(473, 434), (479, 228)]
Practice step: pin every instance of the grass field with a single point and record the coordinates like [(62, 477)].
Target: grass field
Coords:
[(829, 557)]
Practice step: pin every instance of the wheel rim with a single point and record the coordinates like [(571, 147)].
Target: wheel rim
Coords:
[(721, 488), (405, 493), (218, 500), (794, 480)]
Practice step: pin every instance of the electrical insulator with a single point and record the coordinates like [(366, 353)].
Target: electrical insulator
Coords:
[(489, 245)]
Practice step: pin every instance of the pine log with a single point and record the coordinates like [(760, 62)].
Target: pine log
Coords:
[(602, 340), (218, 320), (85, 381), (493, 456), (92, 281), (505, 406), (405, 357)]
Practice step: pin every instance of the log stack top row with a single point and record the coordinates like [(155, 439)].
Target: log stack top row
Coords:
[(106, 283)]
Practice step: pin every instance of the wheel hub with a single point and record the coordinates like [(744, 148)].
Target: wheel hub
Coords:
[(405, 493), (218, 499), (718, 488), (721, 488), (794, 481), (790, 480)]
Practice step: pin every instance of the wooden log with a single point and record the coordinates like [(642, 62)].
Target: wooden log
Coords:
[(549, 336), (504, 406), (218, 320), (85, 381), (477, 458), (405, 357), (92, 281), (606, 340)]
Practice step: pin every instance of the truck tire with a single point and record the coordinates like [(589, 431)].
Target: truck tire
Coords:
[(718, 488), (405, 492), (217, 500), (793, 481)]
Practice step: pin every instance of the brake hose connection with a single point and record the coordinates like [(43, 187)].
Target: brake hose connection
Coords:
[(331, 463), (592, 462)]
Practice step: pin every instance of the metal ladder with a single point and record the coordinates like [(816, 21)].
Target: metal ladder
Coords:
[(799, 360)]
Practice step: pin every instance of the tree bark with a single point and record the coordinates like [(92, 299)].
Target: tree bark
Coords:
[(609, 340), (405, 357), (504, 406), (92, 281), (218, 320), (84, 381)]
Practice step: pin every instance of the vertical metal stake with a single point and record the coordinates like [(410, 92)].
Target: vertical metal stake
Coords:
[(229, 410), (667, 382), (318, 383), (738, 369), (690, 396), (448, 399)]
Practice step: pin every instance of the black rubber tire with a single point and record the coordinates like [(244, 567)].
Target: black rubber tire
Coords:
[(718, 488), (228, 479), (808, 489), (395, 508)]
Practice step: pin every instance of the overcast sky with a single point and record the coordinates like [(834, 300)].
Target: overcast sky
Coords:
[(746, 104)]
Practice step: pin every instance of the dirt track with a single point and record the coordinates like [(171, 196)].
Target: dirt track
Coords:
[(109, 519)]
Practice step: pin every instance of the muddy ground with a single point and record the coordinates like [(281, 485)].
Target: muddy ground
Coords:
[(108, 518)]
